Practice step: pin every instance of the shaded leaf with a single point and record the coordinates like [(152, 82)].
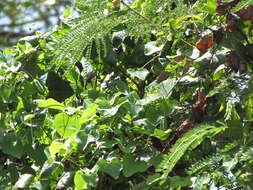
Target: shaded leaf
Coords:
[(59, 89), (131, 166), (112, 167), (11, 145), (81, 140)]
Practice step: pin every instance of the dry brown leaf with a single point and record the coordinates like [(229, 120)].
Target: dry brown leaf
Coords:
[(201, 102), (198, 108), (204, 43), (162, 77), (184, 127), (224, 8), (246, 13)]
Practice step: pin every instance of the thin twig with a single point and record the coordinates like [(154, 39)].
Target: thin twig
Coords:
[(136, 12)]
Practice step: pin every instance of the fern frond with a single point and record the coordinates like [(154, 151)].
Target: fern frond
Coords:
[(93, 23), (204, 163), (242, 4), (73, 43), (189, 141), (230, 146)]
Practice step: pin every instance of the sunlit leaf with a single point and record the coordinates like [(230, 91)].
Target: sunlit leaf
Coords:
[(88, 113), (51, 104), (151, 48), (140, 73), (83, 180), (57, 148), (219, 72), (66, 125), (24, 181)]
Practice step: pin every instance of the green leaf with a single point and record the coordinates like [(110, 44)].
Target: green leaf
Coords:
[(81, 140), (219, 72), (249, 107), (141, 130), (66, 125), (79, 181), (51, 171), (148, 99), (57, 148), (113, 111), (51, 104), (11, 145), (162, 135), (167, 86), (23, 181), (66, 180), (140, 73), (230, 164), (152, 178), (125, 149), (68, 11), (36, 152), (156, 160), (5, 93), (151, 48), (132, 166), (231, 112), (84, 180), (186, 17), (177, 181), (29, 117), (211, 6), (112, 167), (88, 113)]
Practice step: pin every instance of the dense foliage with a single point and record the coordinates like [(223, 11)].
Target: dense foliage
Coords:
[(150, 94)]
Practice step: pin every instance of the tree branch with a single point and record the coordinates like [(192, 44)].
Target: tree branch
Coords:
[(9, 34), (26, 22)]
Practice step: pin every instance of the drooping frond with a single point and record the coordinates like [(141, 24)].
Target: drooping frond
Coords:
[(189, 141), (204, 163)]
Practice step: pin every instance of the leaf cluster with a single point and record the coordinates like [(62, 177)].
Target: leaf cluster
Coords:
[(121, 96)]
